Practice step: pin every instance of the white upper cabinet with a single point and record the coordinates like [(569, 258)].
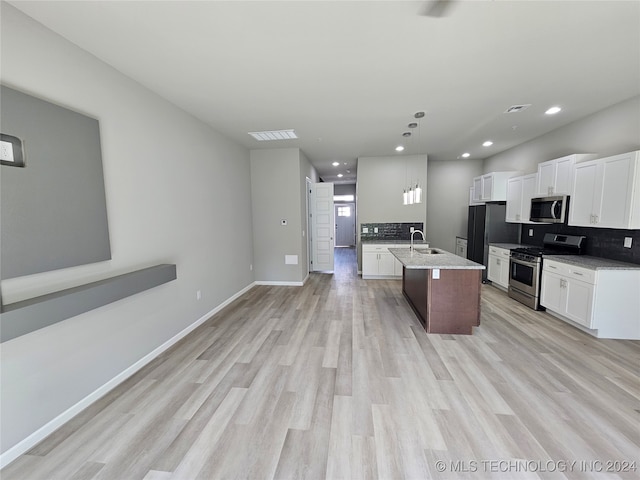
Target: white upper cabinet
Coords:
[(606, 193), (555, 177), (491, 187), (520, 191)]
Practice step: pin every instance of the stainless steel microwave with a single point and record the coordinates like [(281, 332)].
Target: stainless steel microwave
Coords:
[(549, 209)]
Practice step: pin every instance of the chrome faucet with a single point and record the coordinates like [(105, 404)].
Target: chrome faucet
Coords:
[(412, 234)]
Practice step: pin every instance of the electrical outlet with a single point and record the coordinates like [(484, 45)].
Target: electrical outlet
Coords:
[(531, 232), (251, 267), (365, 229), (411, 229), (198, 294), (627, 242), (375, 229)]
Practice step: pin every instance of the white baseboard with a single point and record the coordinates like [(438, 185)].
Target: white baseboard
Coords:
[(23, 446), (276, 283)]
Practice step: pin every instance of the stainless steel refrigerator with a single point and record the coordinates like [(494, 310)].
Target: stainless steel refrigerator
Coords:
[(486, 225)]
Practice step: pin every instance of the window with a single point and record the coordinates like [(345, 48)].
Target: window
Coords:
[(344, 211)]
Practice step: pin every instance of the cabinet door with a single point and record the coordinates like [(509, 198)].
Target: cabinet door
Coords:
[(477, 189), (583, 194), (504, 271), (487, 187), (493, 269), (386, 264), (564, 176), (552, 292), (528, 192), (514, 200), (613, 203), (369, 263), (579, 302), (546, 177)]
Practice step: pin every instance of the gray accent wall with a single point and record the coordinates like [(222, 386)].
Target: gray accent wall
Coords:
[(53, 210), (177, 192), (448, 200), (278, 193)]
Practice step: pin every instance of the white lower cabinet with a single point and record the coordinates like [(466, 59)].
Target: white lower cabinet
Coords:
[(498, 269), (378, 262), (603, 301), (461, 247)]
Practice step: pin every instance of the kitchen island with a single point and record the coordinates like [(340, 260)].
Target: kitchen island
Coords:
[(442, 288)]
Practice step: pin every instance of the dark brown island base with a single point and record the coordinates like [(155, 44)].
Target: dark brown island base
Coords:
[(442, 288)]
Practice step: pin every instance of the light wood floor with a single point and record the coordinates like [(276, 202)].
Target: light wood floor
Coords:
[(337, 379)]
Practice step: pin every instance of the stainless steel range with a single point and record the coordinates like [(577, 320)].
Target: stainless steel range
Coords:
[(525, 265)]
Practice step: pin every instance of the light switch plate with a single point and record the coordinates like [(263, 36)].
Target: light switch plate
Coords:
[(531, 232), (435, 273), (375, 229), (627, 242), (365, 229)]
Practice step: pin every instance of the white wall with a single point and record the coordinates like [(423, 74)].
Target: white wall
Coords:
[(448, 200), (608, 132), (177, 192)]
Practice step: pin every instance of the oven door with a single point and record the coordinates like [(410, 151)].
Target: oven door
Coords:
[(524, 276)]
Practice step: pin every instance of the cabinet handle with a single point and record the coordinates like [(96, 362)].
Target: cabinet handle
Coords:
[(578, 273), (552, 266)]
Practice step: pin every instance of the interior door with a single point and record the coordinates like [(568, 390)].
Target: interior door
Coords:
[(345, 225), (322, 226)]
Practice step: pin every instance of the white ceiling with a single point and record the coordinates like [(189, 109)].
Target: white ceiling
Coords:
[(348, 76)]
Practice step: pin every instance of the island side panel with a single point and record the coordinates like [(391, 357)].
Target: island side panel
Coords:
[(414, 288), (455, 301)]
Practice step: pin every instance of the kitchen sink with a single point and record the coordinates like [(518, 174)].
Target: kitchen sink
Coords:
[(427, 251)]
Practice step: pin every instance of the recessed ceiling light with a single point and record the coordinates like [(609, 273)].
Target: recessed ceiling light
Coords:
[(399, 148), (335, 164), (488, 143), (419, 114), (340, 175), (274, 135), (406, 134), (412, 125), (466, 155), (553, 110)]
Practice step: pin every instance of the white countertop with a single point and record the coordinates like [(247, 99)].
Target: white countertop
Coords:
[(444, 260), (509, 246), (592, 263)]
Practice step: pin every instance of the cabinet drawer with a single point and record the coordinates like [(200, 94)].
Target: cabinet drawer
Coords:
[(570, 271), (376, 248), (501, 252)]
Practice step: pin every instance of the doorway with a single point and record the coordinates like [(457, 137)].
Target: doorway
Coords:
[(345, 225)]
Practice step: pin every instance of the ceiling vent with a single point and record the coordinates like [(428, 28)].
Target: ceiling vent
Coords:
[(517, 108), (274, 135)]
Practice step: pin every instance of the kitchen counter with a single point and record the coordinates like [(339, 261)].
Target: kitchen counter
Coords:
[(445, 260), (592, 263), (443, 290), (397, 242), (510, 246)]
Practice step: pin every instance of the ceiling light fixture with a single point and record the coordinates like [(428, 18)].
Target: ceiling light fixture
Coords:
[(488, 143), (406, 134), (419, 114), (412, 125), (553, 111), (399, 148), (340, 175), (335, 164), (466, 155), (517, 108)]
